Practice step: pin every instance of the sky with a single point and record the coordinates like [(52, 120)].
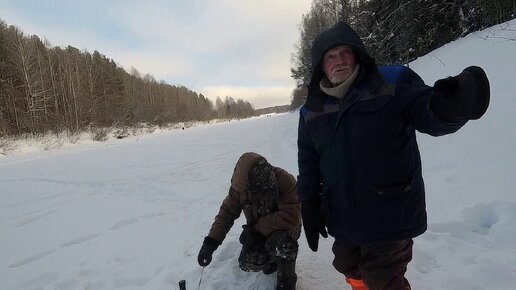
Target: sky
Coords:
[(131, 214), (238, 48)]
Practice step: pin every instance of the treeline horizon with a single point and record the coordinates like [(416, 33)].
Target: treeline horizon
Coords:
[(49, 89), (394, 32)]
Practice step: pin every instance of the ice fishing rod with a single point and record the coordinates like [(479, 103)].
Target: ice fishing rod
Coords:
[(182, 283), (202, 271)]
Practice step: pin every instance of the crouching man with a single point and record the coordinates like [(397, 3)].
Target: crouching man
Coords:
[(267, 196)]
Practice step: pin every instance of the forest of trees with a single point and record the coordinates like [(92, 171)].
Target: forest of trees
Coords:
[(46, 89), (395, 31)]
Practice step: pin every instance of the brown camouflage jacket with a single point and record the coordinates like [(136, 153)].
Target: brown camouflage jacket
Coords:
[(286, 217)]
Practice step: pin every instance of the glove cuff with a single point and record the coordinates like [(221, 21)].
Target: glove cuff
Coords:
[(209, 241)]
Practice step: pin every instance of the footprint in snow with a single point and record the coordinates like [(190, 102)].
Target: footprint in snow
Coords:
[(152, 215), (477, 220), (124, 223), (31, 259), (79, 240), (26, 220)]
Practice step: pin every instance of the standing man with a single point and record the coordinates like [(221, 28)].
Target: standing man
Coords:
[(359, 164), (268, 197)]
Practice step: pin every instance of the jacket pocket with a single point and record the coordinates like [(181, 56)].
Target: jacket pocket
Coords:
[(399, 207), (397, 191)]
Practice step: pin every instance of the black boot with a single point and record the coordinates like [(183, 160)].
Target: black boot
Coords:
[(287, 277)]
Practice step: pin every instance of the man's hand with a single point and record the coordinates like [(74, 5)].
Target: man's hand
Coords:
[(250, 236), (462, 97), (313, 222), (205, 254)]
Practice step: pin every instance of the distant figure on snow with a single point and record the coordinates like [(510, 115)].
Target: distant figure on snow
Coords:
[(359, 164), (267, 196)]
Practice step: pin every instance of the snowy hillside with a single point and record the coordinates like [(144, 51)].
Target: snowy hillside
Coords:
[(132, 214)]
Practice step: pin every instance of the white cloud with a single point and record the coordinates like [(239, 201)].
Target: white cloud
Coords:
[(247, 41), (159, 65)]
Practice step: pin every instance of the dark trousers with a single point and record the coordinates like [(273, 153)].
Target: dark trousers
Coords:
[(381, 265)]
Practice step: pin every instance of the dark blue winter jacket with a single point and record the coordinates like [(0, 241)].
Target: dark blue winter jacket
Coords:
[(361, 154)]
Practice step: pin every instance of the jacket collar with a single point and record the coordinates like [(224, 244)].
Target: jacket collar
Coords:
[(368, 80)]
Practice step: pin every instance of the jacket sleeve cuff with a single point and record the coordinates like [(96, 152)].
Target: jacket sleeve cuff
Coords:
[(211, 242)]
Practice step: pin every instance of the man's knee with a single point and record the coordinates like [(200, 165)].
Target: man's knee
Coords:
[(385, 265), (347, 259), (282, 245), (253, 260)]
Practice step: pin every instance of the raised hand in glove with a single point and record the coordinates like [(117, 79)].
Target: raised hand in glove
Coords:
[(313, 222), (250, 236), (462, 97), (205, 254)]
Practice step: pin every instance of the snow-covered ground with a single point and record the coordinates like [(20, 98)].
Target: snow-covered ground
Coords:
[(132, 213)]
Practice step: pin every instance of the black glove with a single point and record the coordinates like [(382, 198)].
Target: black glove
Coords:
[(462, 97), (313, 222), (250, 236), (208, 247)]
